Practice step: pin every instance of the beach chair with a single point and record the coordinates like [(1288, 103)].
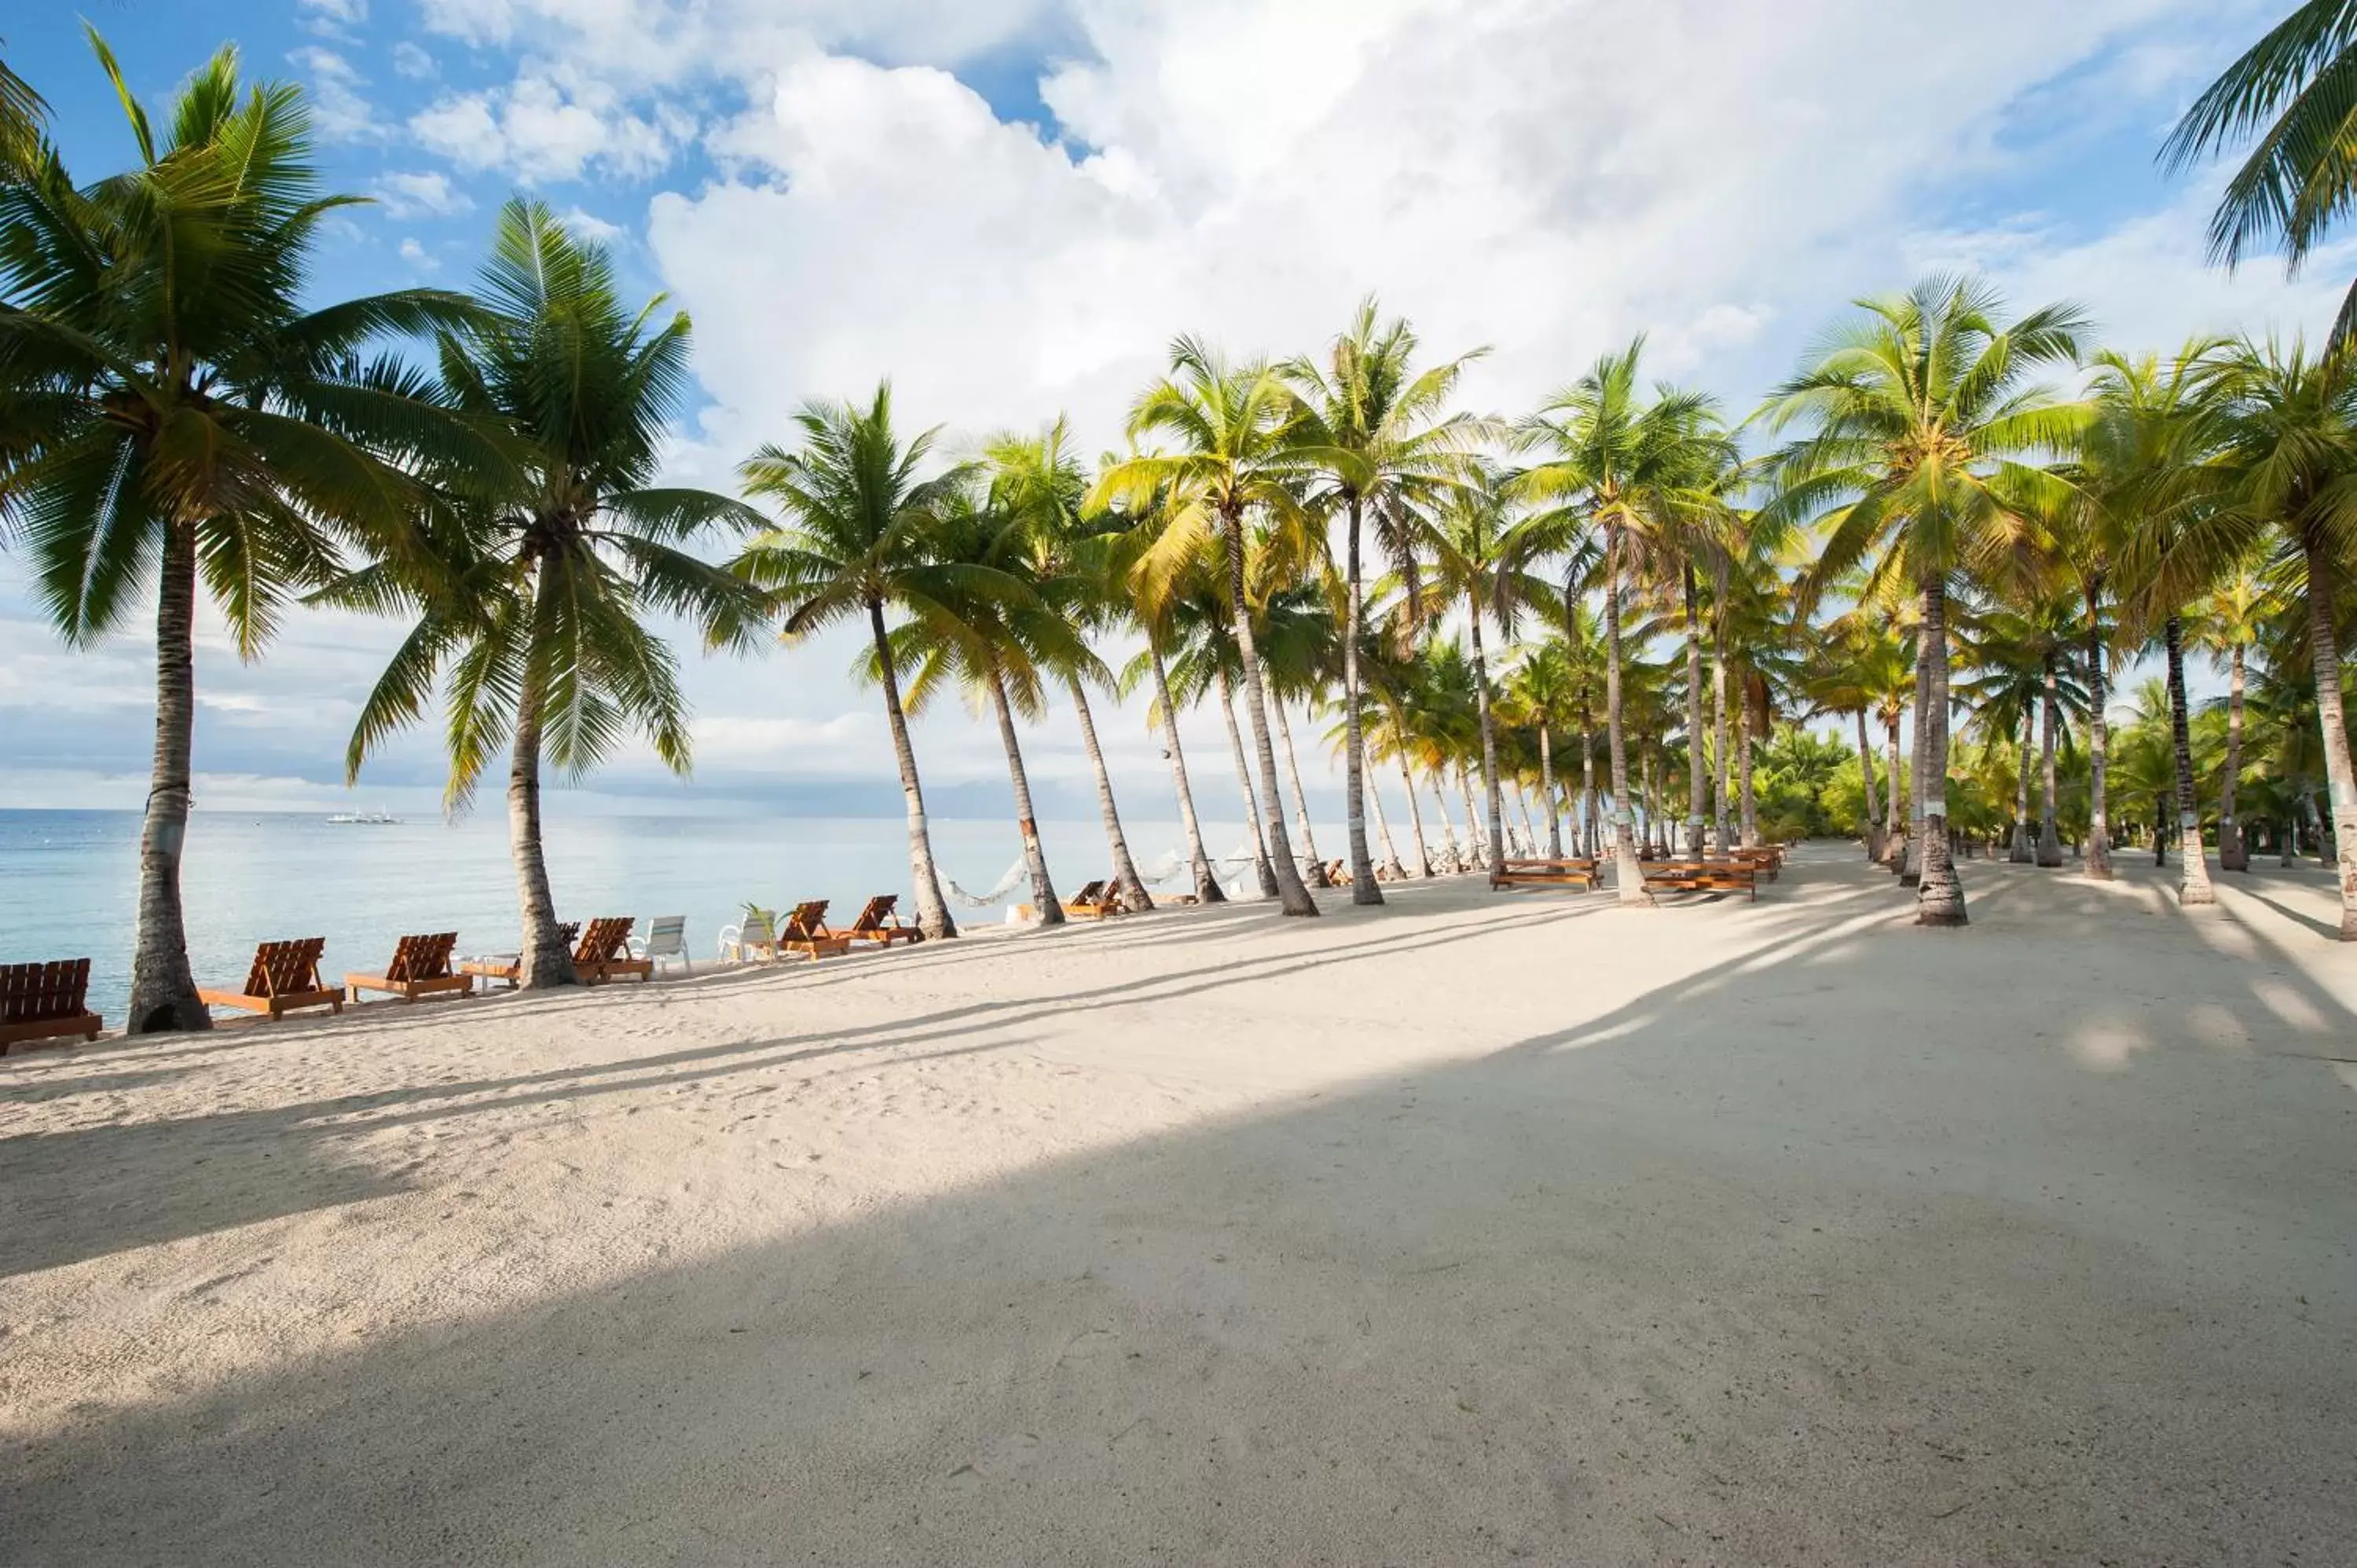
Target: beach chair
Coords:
[(1337, 875), (1704, 876), (1567, 872), (753, 940), (879, 922), (420, 967), (284, 976), (45, 1002), (666, 937), (604, 952), (509, 966), (1094, 902), (804, 931)]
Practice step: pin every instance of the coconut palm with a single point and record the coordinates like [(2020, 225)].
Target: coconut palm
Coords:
[(1154, 608), (855, 543), (2226, 625), (1233, 428), (1541, 690), (1203, 665), (544, 575), (23, 116), (1378, 434), (178, 419), (1628, 468), (1919, 436)]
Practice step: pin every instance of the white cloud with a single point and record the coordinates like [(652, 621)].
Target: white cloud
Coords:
[(415, 255), (413, 62), (588, 226), (543, 128), (348, 11), (338, 108), (422, 193)]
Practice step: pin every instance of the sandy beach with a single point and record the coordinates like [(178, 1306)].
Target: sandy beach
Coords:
[(1481, 1229)]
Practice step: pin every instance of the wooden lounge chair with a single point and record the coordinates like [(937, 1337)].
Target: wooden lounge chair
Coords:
[(666, 937), (1704, 876), (45, 1002), (285, 975), (509, 966), (1567, 872), (1094, 902), (604, 952), (805, 931), (1337, 875), (879, 922), (420, 967)]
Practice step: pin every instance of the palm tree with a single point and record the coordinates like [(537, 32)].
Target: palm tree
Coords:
[(537, 601), (1153, 606), (1629, 469), (22, 117), (2296, 87), (1294, 630), (1541, 690), (1375, 428), (2226, 625), (1236, 457), (854, 542), (1204, 664), (175, 417), (1919, 428)]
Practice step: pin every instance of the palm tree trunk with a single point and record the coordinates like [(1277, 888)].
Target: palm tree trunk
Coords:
[(1589, 843), (1628, 874), (163, 988), (1415, 820), (1648, 801), (2232, 854), (1547, 790), (2099, 742), (1263, 873), (546, 961), (1745, 784), (1049, 908), (1390, 866), (1523, 809), (2192, 861), (1940, 892), (1695, 762), (1894, 837), (1292, 896), (2340, 774), (1133, 895), (2021, 850), (1452, 859), (1719, 807), (2049, 832), (932, 910), (1475, 841), (1488, 737), (1355, 782), (1207, 883), (1317, 876), (1873, 811), (1910, 867)]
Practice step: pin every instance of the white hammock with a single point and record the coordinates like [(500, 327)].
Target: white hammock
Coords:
[(997, 896)]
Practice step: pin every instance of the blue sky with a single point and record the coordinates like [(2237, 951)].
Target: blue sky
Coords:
[(1009, 206)]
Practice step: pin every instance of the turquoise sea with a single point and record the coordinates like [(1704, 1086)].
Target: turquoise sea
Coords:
[(68, 880)]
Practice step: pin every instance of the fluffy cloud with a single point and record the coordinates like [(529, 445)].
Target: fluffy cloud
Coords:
[(547, 126), (338, 108), (424, 193), (412, 61)]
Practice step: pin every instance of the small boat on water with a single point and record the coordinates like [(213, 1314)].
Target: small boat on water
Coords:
[(364, 819)]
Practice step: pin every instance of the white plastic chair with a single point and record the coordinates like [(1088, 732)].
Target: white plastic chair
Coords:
[(666, 937), (757, 936)]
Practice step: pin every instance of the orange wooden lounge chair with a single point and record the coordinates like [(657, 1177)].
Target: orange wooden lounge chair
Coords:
[(509, 966), (804, 931), (285, 975), (604, 952), (879, 922), (1094, 902), (420, 967), (44, 1002)]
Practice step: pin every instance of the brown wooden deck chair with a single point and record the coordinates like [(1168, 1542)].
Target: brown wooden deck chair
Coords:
[(285, 975), (1567, 872), (604, 952), (804, 931), (879, 922), (1094, 902), (45, 1002), (420, 967), (509, 966), (1704, 876)]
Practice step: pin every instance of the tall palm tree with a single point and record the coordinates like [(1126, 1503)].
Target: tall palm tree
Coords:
[(2226, 624), (1204, 664), (23, 115), (1154, 607), (854, 542), (177, 418), (1628, 468), (543, 574), (1921, 436), (2297, 89), (1543, 688), (1235, 431), (1377, 431)]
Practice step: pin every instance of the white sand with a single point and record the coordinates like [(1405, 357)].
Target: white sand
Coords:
[(1481, 1228)]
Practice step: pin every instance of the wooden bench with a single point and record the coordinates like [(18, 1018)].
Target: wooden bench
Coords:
[(1527, 873), (1704, 876), (1767, 858), (45, 1002), (510, 966), (284, 976), (604, 952), (420, 967)]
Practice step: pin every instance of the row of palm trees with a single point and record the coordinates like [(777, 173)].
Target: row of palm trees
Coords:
[(1919, 526)]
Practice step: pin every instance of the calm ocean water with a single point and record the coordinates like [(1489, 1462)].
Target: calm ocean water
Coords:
[(68, 880)]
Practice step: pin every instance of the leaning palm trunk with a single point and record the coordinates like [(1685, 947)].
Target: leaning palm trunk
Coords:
[(163, 990), (1415, 820), (1263, 873), (2099, 744), (1911, 866), (1207, 882), (1452, 859), (2341, 777), (1523, 809), (1133, 895), (1049, 908), (1628, 874), (1390, 866), (1293, 898), (2021, 850), (1316, 874), (2049, 832), (1356, 785), (1940, 893), (1873, 813), (1695, 762), (932, 910), (544, 962), (1746, 783), (1479, 843), (1547, 795), (2232, 854), (1488, 737), (2193, 862)]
